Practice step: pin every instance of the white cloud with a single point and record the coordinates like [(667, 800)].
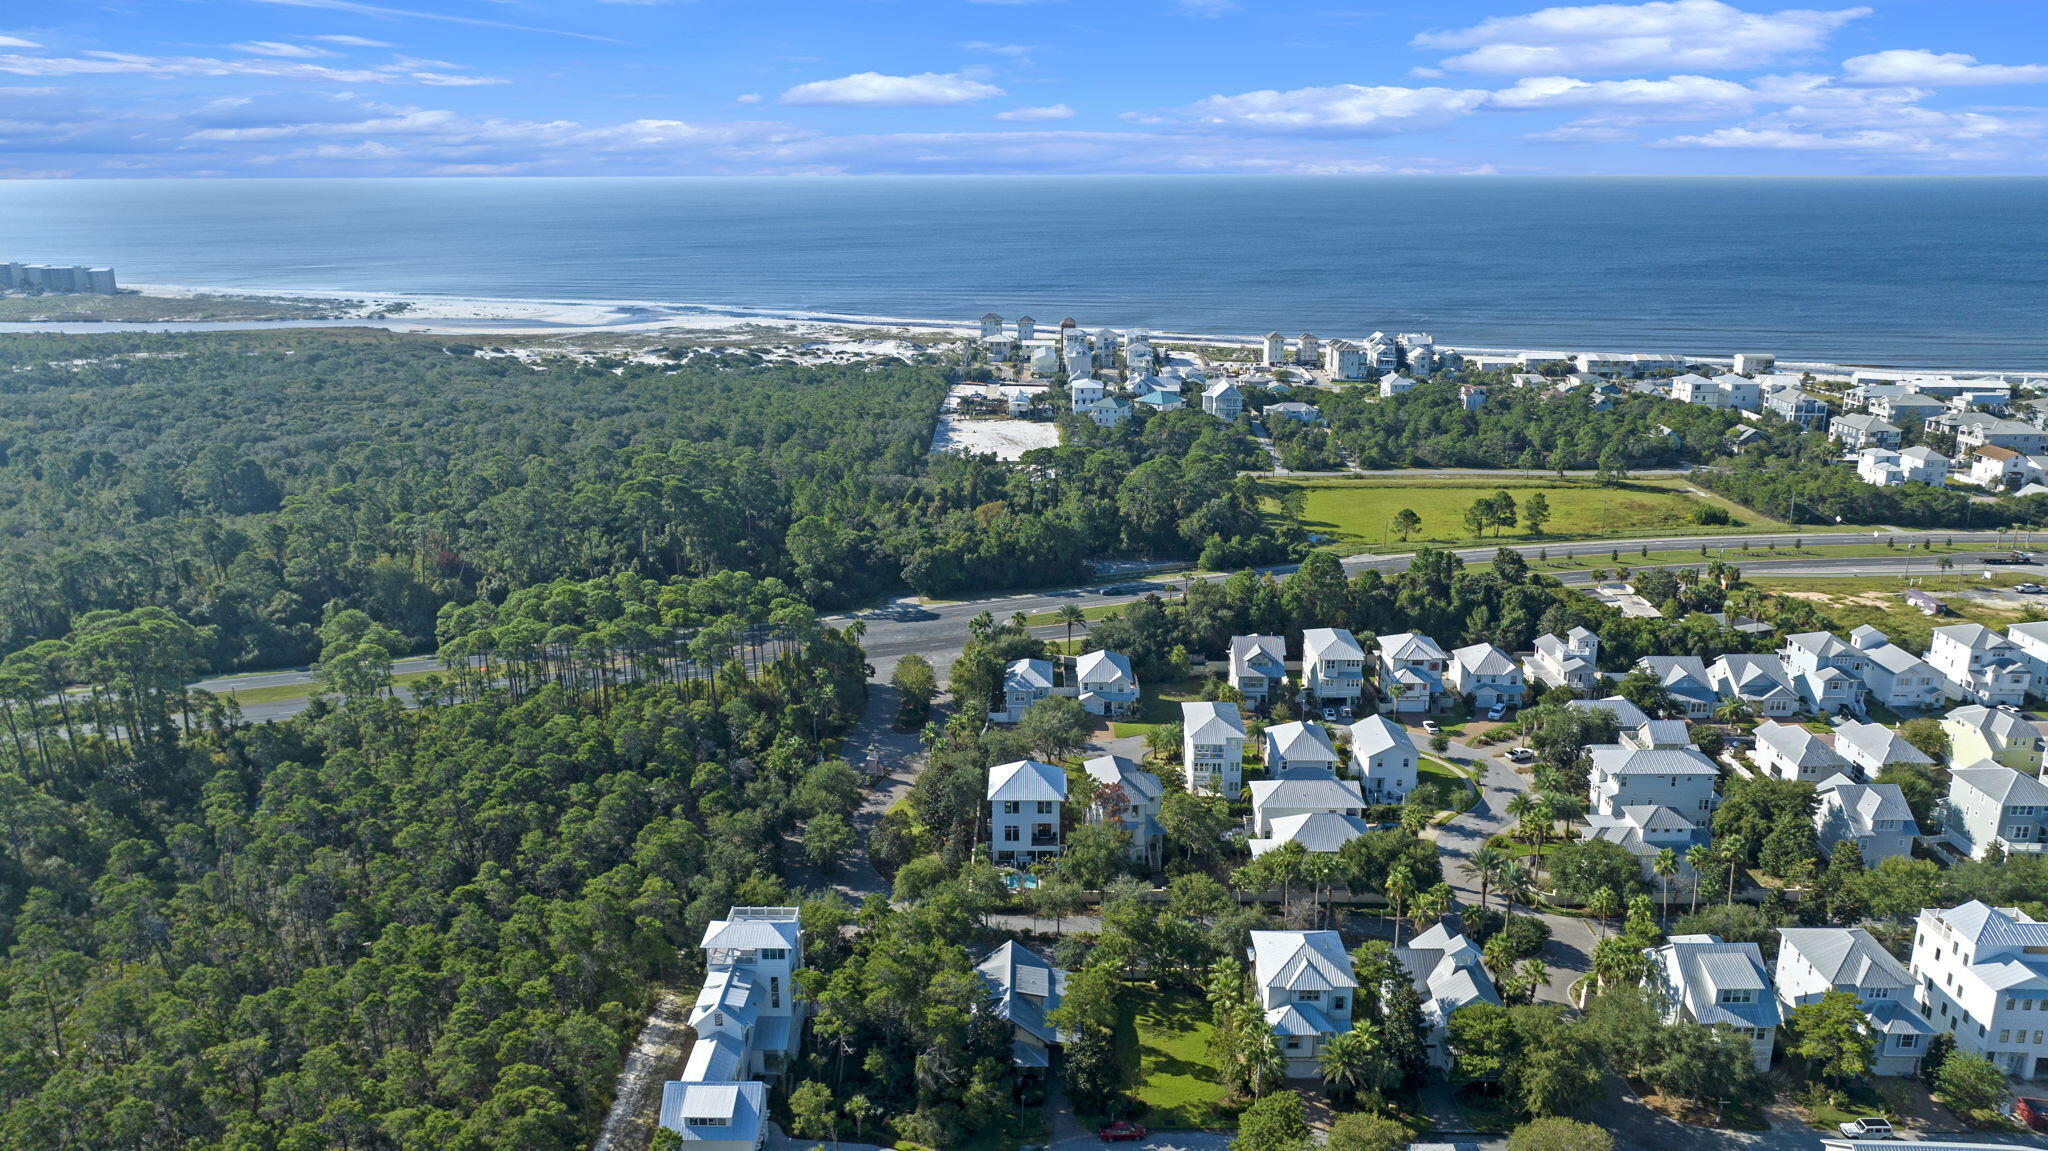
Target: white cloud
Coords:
[(1034, 115), (17, 42), (278, 48), (747, 98), (1352, 108), (1690, 92), (350, 41), (1900, 131), (359, 9), (874, 89), (172, 67), (1692, 35), (1935, 69)]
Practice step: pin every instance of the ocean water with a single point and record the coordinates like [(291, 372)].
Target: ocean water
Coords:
[(1915, 272)]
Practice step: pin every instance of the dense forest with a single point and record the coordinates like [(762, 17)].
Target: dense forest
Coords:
[(246, 481)]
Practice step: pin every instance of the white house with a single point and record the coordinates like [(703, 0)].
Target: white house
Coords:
[(1292, 411), (1107, 684), (1813, 961), (1212, 748), (1788, 751), (1222, 400), (1875, 816), (1025, 682), (1979, 665), (1992, 804), (1447, 974), (2030, 642), (748, 1020), (1025, 800), (1130, 797), (1344, 360), (1083, 391), (1486, 675), (1916, 465), (1711, 982), (1828, 672), (1411, 671), (1332, 665), (1872, 747), (1685, 679), (1998, 469), (1384, 758), (1895, 677), (1681, 779), (1983, 977), (1300, 747), (1571, 662), (1306, 987), (1275, 799), (1395, 385), (1024, 989), (2002, 735), (1757, 680), (1258, 664), (1647, 831), (1275, 348), (1857, 432), (1318, 833), (1108, 412)]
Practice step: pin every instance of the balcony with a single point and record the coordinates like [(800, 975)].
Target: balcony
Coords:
[(1045, 841)]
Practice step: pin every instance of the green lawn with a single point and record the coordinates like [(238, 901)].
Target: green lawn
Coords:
[(1429, 769), (1356, 512), (1162, 1043), (1156, 705), (1878, 601)]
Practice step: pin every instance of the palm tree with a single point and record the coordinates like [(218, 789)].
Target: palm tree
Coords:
[(1617, 961), (1666, 866), (1435, 902), (1533, 975), (1732, 711), (1264, 1066), (1322, 870), (1071, 614), (1733, 850), (1514, 881), (1604, 905), (1498, 955), (1517, 808), (1701, 857), (1484, 866), (1347, 1063), (1400, 884)]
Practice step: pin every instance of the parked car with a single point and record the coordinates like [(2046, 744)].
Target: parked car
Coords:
[(1522, 754), (1497, 712), (1429, 726), (1344, 711), (1329, 713), (2030, 1111), (1869, 1128), (2029, 588), (1121, 1131)]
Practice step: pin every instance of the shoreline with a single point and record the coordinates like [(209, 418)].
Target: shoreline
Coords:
[(474, 315)]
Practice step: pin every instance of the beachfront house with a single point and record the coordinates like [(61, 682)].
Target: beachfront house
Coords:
[(1025, 802), (1874, 816), (1305, 985), (1297, 747), (1486, 675), (1212, 748), (1332, 666), (1980, 665), (1025, 682), (1130, 798), (1711, 982), (1107, 684), (1813, 961), (1257, 666)]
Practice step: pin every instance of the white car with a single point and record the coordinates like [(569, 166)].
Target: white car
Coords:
[(1870, 1128), (1429, 726), (1522, 754)]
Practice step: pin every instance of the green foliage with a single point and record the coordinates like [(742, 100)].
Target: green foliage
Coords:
[(1736, 923), (1277, 1122), (1969, 1083), (1363, 1132), (1555, 1134), (1055, 727), (1831, 1035), (1580, 868)]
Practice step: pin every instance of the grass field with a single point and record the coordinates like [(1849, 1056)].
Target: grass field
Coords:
[(1157, 705), (1851, 601), (1162, 1043), (247, 696), (1735, 552), (132, 307), (1357, 512)]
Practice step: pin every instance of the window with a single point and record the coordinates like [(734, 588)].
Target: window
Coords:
[(1010, 833), (1045, 807), (1308, 997), (1742, 996), (1294, 1043), (775, 953), (775, 991), (1877, 993), (707, 1121), (1337, 1003), (2004, 1036), (1908, 1042), (1010, 807)]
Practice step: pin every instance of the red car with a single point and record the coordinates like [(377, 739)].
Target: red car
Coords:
[(2032, 1112), (1120, 1131)]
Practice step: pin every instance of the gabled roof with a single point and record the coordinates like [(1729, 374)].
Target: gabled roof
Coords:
[(752, 929), (1704, 967), (1117, 771), (1753, 676), (2002, 784), (740, 1106), (1205, 722), (1447, 969), (1305, 792), (1375, 734), (1301, 960), (2001, 724), (1824, 645), (1024, 674), (1258, 655), (1319, 831), (1408, 646), (1484, 659), (1026, 781), (1974, 636), (1323, 643), (1023, 988), (1659, 761), (1993, 929), (725, 992), (1096, 665), (1865, 804), (1899, 661), (1847, 957), (1878, 743), (1300, 740), (1626, 715), (1800, 747)]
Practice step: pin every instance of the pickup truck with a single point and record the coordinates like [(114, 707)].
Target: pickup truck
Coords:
[(1866, 1129)]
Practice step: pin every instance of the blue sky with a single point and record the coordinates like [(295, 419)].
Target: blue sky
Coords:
[(147, 88)]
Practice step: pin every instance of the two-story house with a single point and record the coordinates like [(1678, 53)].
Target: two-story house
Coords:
[(2030, 643), (1647, 831), (1757, 680), (1989, 804), (1212, 748), (1982, 974), (1305, 984), (1716, 983), (1023, 989), (1571, 662), (1685, 680), (1222, 400), (1681, 779), (1874, 816), (1257, 666), (1384, 758), (2001, 735), (1025, 802), (1130, 798), (1486, 675), (1857, 432), (1106, 682), (1979, 665), (1828, 672), (1788, 751), (1332, 666), (1025, 682), (1447, 974), (1813, 961), (1869, 748), (1411, 672), (1276, 799), (1895, 677), (1292, 748)]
